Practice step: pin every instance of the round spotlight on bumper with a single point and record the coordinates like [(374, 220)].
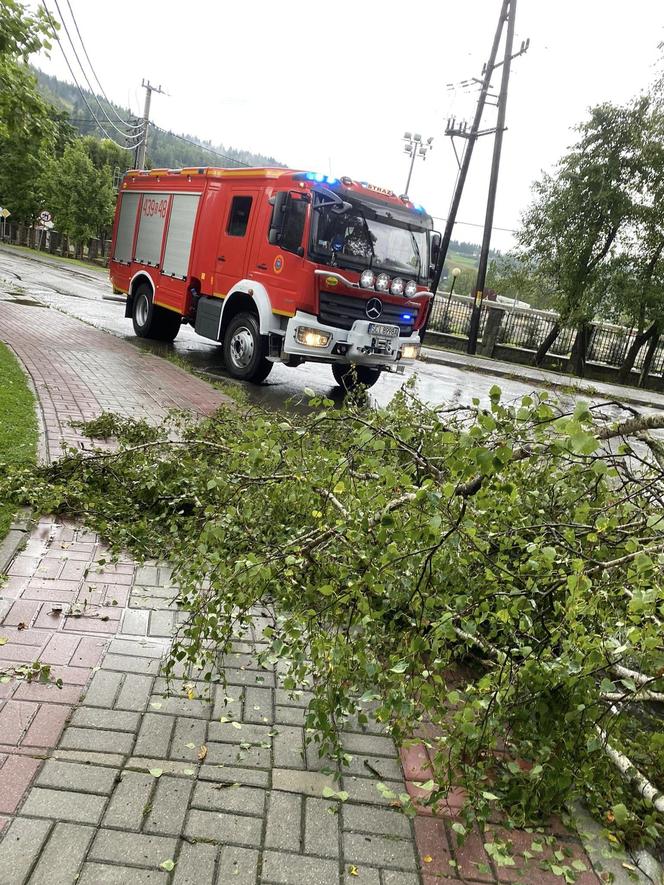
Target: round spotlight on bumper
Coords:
[(367, 279), (382, 282), (411, 288), (397, 286)]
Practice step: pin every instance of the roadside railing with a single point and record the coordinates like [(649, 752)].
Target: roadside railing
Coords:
[(515, 334), (94, 250)]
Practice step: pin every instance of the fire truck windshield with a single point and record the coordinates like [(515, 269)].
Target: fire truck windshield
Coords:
[(362, 237)]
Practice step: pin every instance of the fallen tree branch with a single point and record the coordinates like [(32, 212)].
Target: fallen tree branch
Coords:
[(634, 675), (327, 494), (641, 695), (629, 771)]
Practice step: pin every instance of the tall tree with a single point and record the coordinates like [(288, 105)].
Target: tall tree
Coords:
[(22, 110), (81, 197), (27, 126), (571, 228)]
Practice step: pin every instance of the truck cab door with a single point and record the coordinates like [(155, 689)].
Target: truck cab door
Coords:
[(237, 229), (281, 267)]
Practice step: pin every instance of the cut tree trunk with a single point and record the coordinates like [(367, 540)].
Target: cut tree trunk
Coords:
[(546, 345)]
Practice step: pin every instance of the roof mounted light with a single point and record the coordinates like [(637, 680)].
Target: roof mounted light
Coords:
[(318, 177)]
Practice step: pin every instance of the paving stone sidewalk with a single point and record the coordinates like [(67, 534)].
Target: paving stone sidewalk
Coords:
[(112, 780)]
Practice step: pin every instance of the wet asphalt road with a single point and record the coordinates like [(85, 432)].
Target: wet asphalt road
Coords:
[(87, 294)]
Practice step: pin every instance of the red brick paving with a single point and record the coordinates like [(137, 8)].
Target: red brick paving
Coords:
[(78, 372), (444, 860)]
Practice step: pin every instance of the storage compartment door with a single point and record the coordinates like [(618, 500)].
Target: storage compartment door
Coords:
[(151, 228), (180, 233), (124, 239)]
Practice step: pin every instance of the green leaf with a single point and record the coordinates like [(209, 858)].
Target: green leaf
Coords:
[(156, 772), (620, 813), (401, 667), (167, 865)]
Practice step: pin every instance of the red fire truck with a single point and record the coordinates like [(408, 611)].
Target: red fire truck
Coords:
[(277, 266)]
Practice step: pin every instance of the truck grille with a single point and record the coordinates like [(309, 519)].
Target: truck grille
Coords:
[(341, 311)]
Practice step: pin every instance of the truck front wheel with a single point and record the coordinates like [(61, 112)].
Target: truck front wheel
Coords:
[(350, 377), (150, 320), (245, 349)]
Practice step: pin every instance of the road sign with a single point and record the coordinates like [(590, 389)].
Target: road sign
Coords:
[(45, 217), (5, 213)]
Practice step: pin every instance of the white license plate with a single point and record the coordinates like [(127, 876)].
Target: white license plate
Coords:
[(381, 330)]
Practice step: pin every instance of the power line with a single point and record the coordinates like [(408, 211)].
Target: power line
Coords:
[(508, 230), (87, 80), (200, 146), (94, 73), (73, 75)]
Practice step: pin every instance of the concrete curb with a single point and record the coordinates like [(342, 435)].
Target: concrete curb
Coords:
[(15, 539), (520, 374), (607, 859)]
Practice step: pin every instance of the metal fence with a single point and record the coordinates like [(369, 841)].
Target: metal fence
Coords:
[(527, 328), (53, 242), (452, 315)]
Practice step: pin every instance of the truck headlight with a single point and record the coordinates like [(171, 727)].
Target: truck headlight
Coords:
[(312, 337), (411, 288), (410, 351), (397, 286)]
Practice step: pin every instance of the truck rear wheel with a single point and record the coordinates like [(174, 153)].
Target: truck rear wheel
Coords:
[(245, 349), (150, 320), (350, 377)]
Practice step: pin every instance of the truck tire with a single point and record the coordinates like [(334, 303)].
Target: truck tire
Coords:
[(150, 320), (350, 377), (245, 349)]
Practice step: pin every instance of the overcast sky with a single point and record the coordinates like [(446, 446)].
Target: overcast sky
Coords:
[(332, 87)]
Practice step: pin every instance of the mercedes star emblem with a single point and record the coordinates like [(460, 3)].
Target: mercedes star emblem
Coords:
[(374, 308)]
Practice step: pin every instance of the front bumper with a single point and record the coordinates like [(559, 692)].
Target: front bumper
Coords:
[(354, 345)]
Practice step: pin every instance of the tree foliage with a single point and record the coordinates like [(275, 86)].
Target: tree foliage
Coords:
[(22, 110), (27, 127), (486, 571), (594, 229), (572, 226), (80, 197)]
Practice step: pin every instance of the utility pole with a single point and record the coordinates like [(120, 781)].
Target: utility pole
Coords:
[(471, 135), (493, 181), (143, 144)]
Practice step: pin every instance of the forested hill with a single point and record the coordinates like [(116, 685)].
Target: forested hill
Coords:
[(164, 148)]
